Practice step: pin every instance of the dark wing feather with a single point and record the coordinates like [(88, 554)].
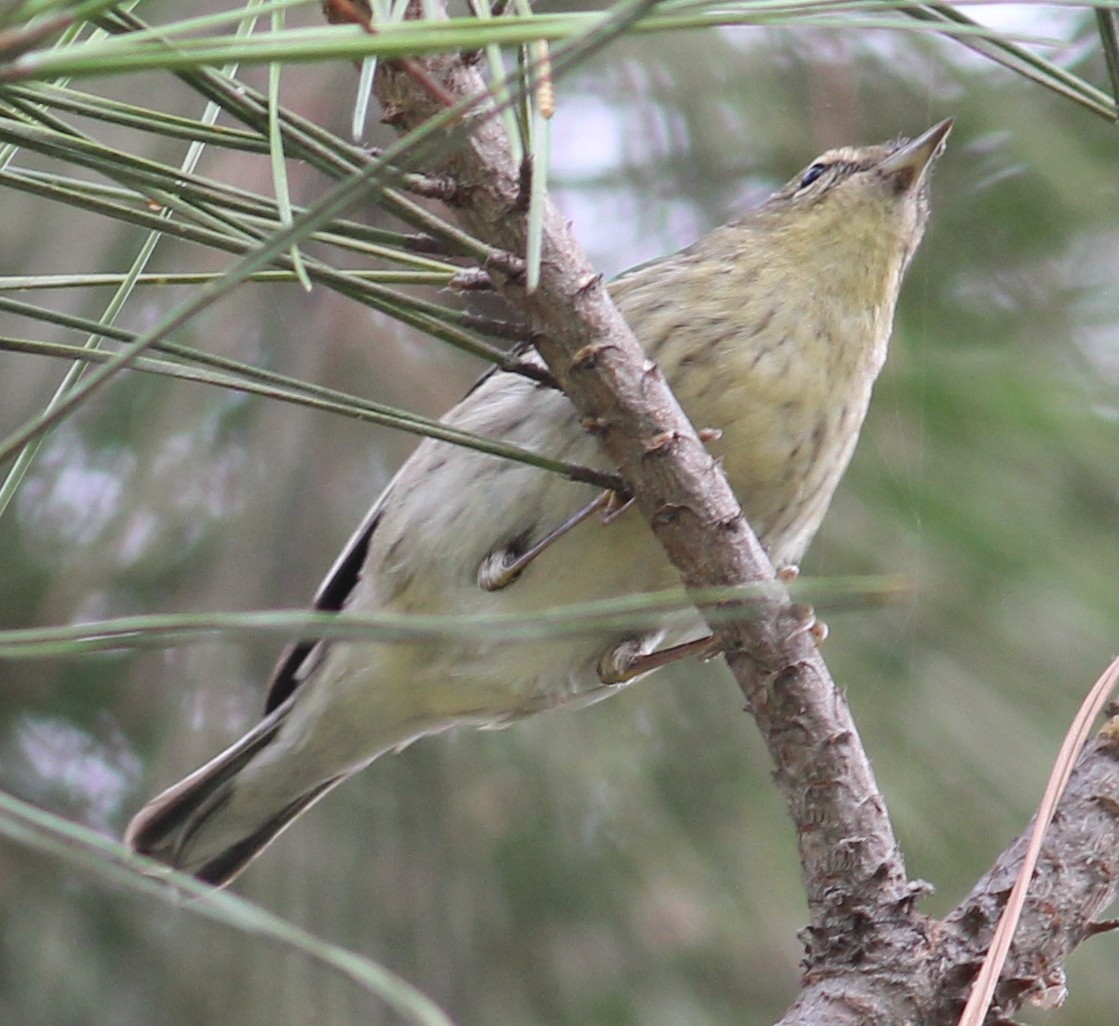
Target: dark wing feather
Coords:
[(335, 591), (332, 596)]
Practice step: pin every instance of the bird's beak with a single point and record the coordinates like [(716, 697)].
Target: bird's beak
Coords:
[(908, 163)]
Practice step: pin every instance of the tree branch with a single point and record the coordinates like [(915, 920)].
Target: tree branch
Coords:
[(852, 866), (1076, 878), (870, 957)]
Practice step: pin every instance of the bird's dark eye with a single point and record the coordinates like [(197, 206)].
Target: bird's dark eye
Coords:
[(812, 174)]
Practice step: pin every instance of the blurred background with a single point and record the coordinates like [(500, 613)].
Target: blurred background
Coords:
[(632, 862)]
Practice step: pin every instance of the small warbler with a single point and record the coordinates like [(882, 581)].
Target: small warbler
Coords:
[(770, 330)]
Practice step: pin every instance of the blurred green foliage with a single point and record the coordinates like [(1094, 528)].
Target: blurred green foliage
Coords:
[(630, 863)]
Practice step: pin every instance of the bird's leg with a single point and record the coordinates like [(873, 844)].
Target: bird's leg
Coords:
[(627, 661), (615, 506), (498, 571)]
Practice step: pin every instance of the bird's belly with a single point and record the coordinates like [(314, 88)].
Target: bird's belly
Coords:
[(508, 674), (784, 446)]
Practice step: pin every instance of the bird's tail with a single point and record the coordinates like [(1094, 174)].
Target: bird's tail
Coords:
[(211, 824)]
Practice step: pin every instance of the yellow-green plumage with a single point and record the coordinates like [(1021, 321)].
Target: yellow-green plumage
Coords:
[(770, 330)]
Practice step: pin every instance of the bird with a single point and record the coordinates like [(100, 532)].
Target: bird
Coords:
[(770, 330)]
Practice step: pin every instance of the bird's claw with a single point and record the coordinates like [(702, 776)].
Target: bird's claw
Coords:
[(630, 660)]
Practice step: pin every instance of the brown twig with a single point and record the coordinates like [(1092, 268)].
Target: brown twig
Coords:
[(1076, 878), (871, 958), (359, 12), (852, 866), (1075, 740)]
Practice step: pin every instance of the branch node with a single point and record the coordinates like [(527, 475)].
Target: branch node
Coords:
[(444, 188), (393, 115), (511, 266), (586, 359), (471, 279), (669, 513), (587, 282), (662, 445), (1109, 732)]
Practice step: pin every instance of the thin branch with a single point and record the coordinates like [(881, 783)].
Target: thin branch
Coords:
[(871, 957), (851, 863), (1077, 877)]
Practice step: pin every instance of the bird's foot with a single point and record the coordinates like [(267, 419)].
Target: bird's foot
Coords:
[(629, 661), (503, 566)]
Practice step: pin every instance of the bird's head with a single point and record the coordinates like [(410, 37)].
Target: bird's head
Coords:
[(857, 201)]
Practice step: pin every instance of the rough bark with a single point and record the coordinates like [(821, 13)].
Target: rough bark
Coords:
[(870, 956)]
